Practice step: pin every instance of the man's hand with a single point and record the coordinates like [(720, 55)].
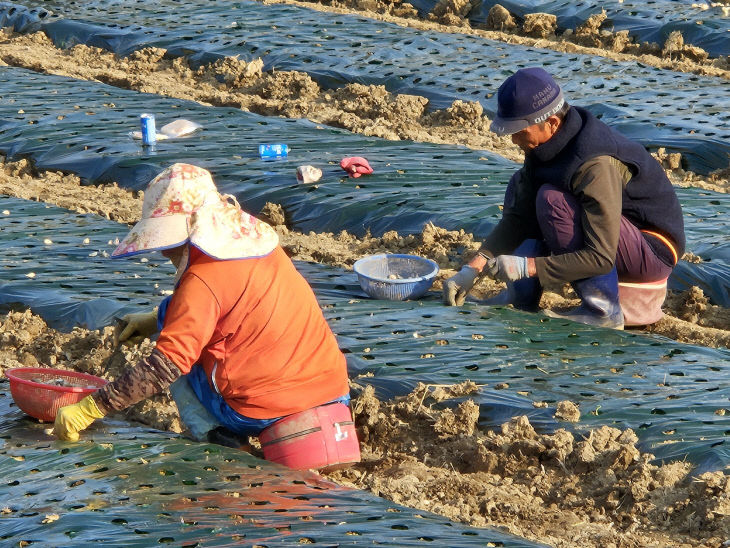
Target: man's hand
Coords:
[(456, 287), (507, 268), (134, 328), (72, 419)]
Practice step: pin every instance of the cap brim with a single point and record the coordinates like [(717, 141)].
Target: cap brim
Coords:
[(502, 126), (153, 234)]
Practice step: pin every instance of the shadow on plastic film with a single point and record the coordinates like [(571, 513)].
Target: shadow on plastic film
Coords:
[(133, 486)]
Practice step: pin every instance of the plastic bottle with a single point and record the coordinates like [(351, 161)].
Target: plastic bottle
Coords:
[(273, 151)]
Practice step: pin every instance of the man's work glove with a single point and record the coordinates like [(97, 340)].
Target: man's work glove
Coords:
[(72, 419), (134, 328), (507, 268), (456, 287)]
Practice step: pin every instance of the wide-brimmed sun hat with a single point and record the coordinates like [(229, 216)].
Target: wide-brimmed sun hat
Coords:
[(528, 97), (182, 205)]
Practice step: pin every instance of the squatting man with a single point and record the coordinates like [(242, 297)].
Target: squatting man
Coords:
[(588, 206)]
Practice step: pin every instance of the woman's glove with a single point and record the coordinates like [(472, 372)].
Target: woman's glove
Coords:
[(134, 328), (507, 268), (72, 419), (456, 287)]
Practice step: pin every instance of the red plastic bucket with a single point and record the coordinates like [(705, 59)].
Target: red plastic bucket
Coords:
[(321, 437)]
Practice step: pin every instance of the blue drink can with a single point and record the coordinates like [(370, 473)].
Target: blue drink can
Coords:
[(273, 151), (147, 124)]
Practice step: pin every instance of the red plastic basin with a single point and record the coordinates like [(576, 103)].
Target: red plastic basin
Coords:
[(32, 393)]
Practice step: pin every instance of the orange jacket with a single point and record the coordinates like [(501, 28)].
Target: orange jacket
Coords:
[(256, 328)]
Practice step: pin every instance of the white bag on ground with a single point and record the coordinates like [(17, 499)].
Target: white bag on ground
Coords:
[(179, 128), (308, 174)]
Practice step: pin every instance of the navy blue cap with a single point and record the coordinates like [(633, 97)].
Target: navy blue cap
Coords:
[(528, 97)]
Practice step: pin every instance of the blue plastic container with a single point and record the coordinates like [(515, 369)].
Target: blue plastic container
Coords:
[(395, 277), (147, 125)]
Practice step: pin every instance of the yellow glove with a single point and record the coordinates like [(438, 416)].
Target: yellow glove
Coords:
[(71, 419), (134, 328)]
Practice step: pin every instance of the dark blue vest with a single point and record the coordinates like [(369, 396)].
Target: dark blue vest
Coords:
[(648, 200)]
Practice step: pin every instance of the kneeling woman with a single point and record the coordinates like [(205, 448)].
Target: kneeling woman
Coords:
[(243, 341)]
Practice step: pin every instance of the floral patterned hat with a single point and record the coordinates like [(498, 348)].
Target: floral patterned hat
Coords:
[(183, 205)]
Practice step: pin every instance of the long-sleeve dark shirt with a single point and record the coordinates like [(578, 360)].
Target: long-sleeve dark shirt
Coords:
[(597, 185), (610, 176)]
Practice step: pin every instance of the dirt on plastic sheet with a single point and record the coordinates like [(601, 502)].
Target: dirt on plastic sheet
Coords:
[(594, 36), (366, 109), (563, 489), (559, 488), (27, 341), (689, 316)]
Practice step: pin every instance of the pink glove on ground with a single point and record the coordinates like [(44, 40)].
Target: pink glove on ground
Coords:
[(356, 166)]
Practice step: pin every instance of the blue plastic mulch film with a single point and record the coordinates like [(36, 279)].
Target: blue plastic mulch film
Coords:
[(702, 24), (82, 127), (707, 226), (57, 263), (659, 108), (126, 485), (667, 391)]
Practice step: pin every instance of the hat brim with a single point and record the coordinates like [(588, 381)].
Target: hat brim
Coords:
[(502, 126), (224, 231), (154, 234)]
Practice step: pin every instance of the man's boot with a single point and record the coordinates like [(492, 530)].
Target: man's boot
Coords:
[(523, 294), (600, 305)]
